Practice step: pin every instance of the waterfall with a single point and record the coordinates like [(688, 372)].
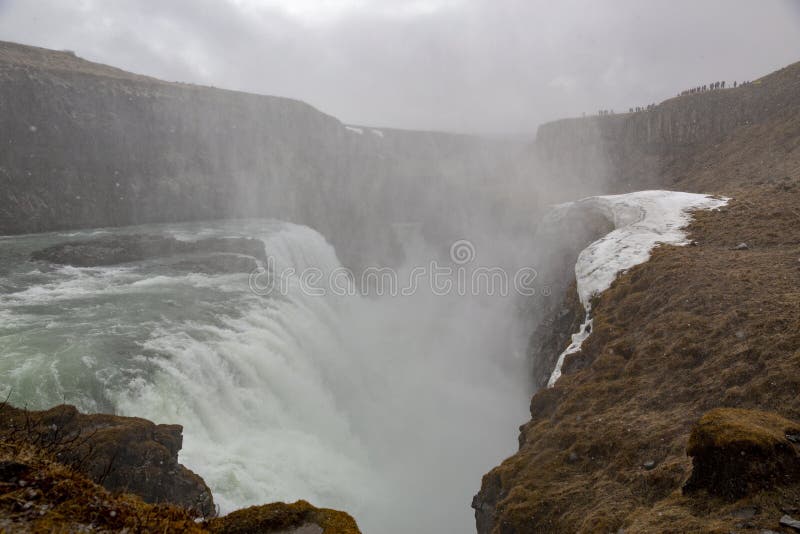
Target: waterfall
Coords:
[(389, 407)]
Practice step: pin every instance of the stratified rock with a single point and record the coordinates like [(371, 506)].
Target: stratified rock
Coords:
[(281, 518), (736, 452), (126, 454), (117, 249)]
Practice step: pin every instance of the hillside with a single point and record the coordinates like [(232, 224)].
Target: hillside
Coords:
[(696, 328)]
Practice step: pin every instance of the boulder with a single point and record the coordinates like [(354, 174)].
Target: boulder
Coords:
[(736, 452), (282, 518), (123, 454)]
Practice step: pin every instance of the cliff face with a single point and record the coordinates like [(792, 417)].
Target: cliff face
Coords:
[(63, 471), (86, 145), (694, 329), (666, 147)]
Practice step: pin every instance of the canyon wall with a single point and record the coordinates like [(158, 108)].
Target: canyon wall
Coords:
[(87, 145), (606, 448), (681, 144), (661, 147)]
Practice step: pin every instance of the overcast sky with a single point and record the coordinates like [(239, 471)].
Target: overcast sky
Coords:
[(461, 65)]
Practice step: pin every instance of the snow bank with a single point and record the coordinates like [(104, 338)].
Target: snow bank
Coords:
[(641, 220)]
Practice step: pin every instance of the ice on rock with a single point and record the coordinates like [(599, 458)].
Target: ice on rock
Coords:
[(641, 220)]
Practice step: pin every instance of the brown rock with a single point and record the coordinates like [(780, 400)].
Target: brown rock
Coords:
[(125, 454), (282, 518)]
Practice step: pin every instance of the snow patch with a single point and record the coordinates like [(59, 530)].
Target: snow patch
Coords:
[(353, 129), (377, 132), (641, 221)]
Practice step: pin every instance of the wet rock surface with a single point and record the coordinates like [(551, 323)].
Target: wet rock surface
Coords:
[(218, 264), (220, 253)]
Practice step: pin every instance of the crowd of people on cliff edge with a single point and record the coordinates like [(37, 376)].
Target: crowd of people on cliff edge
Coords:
[(637, 109), (699, 89), (711, 87)]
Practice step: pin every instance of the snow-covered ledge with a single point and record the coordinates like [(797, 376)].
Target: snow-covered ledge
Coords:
[(641, 221)]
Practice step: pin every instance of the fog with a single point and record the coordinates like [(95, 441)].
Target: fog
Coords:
[(390, 407), (502, 66)]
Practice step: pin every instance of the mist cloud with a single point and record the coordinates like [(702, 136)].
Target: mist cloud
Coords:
[(461, 65)]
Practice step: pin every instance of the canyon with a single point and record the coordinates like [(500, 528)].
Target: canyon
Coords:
[(696, 329)]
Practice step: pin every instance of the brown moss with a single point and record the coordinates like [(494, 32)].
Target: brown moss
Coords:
[(45, 496), (126, 454), (39, 493), (735, 428), (278, 517), (716, 327), (737, 452)]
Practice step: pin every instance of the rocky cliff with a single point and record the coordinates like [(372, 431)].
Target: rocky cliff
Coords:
[(669, 144), (123, 454), (690, 363), (63, 471), (87, 145)]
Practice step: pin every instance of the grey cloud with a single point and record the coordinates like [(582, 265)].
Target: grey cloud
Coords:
[(464, 65)]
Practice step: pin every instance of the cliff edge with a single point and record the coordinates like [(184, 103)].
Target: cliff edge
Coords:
[(627, 438)]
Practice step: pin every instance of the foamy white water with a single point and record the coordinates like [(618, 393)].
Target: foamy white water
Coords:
[(391, 408)]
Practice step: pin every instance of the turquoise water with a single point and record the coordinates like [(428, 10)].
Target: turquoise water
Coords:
[(391, 408)]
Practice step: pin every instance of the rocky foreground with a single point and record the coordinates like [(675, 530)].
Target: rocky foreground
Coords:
[(62, 471)]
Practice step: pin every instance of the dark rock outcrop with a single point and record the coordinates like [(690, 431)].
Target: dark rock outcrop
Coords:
[(123, 454), (736, 452), (113, 250), (563, 233), (48, 458)]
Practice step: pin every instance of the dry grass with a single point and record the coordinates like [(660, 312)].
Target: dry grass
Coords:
[(725, 428), (38, 494), (695, 328)]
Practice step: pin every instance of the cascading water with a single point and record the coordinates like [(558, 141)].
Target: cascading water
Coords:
[(388, 407)]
